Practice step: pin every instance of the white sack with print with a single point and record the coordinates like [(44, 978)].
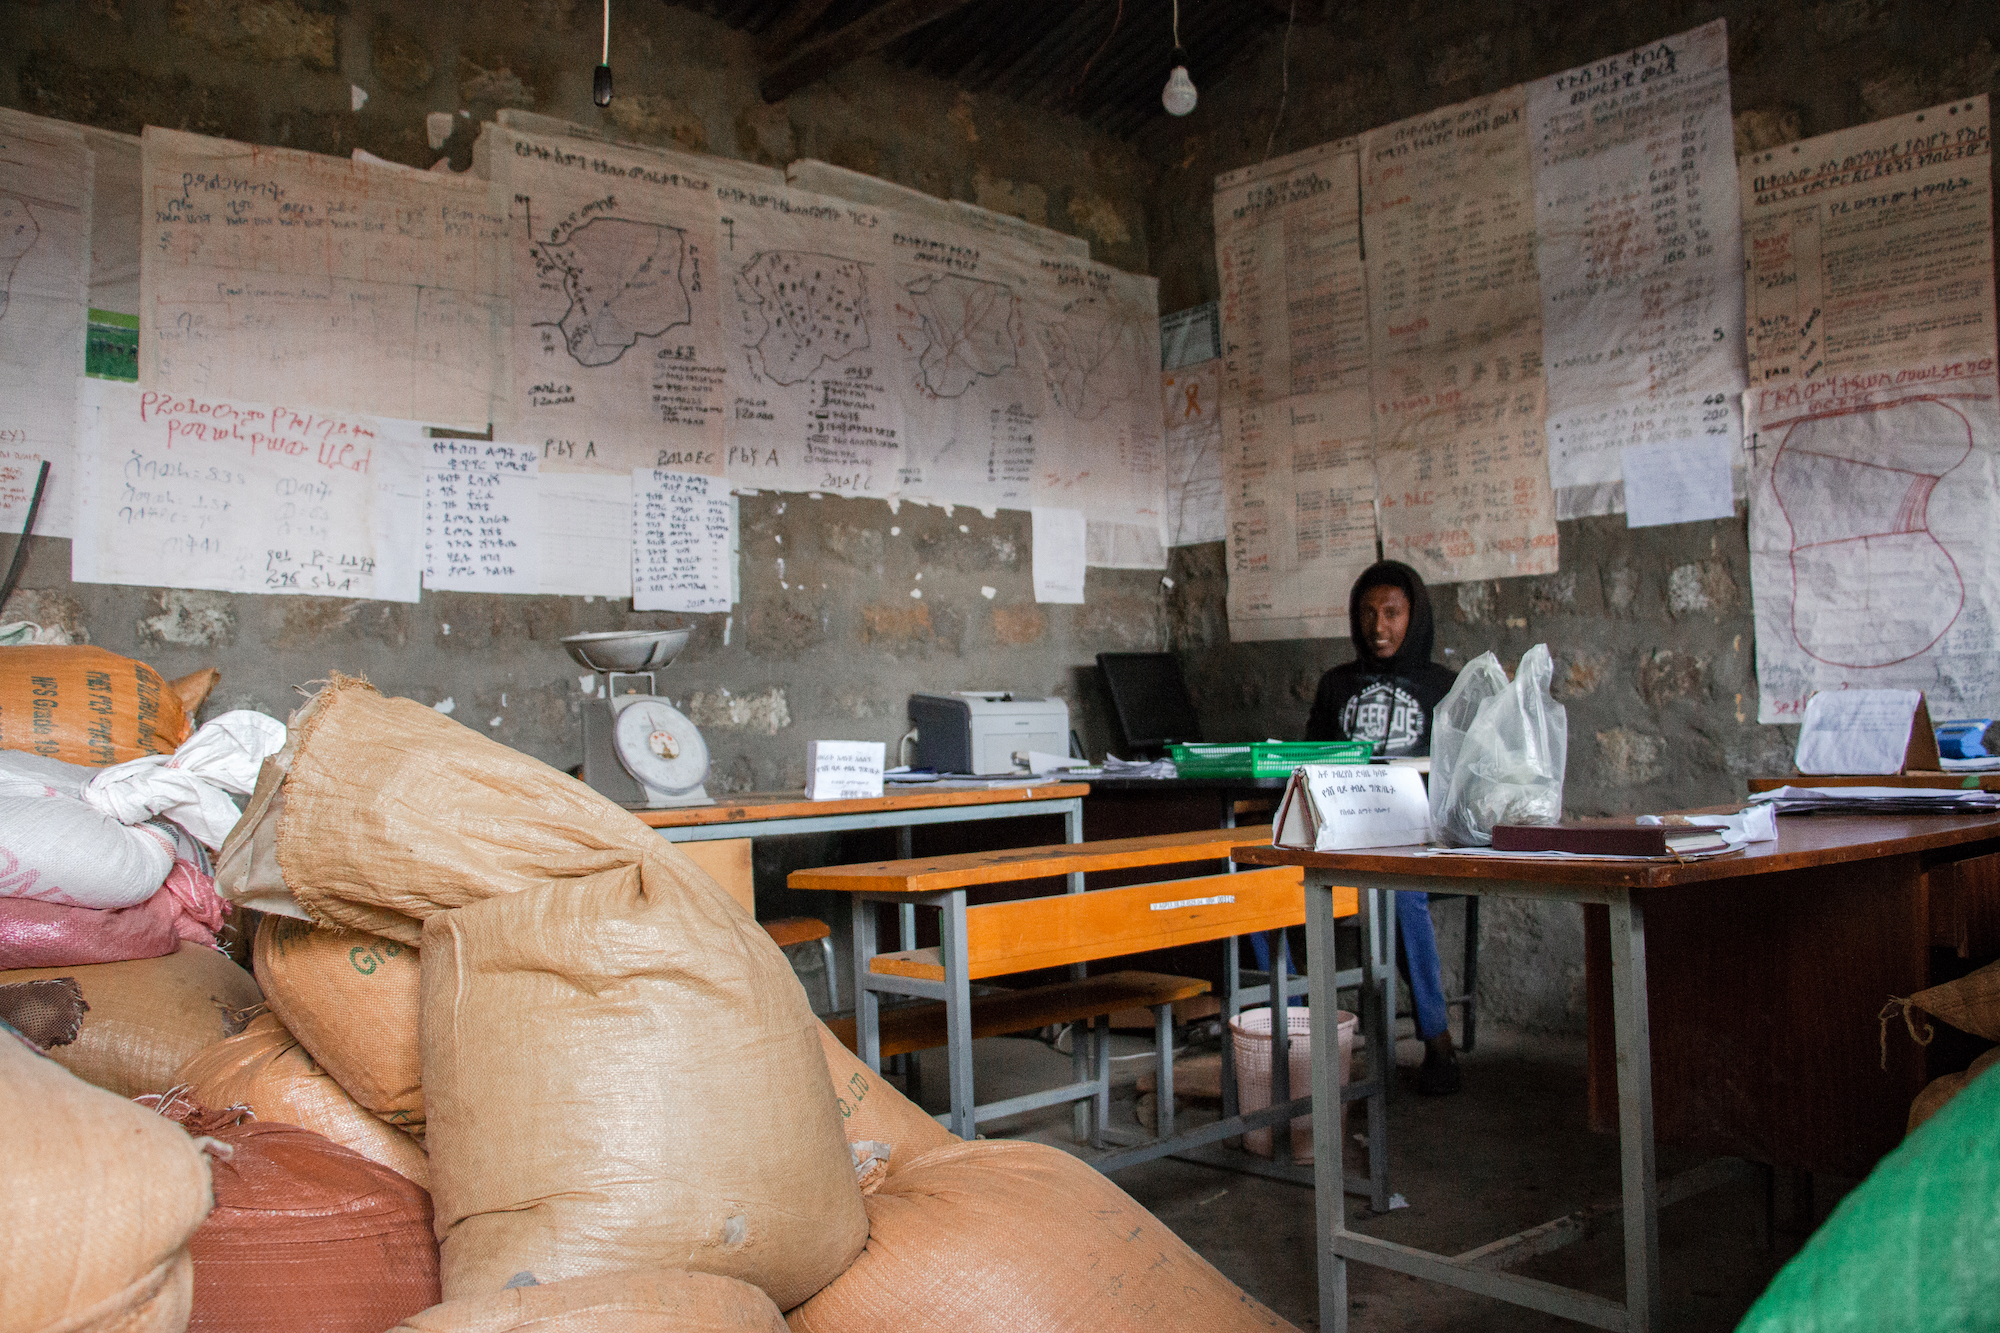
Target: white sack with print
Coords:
[(192, 785)]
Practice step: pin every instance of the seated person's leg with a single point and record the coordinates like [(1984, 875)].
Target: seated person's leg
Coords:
[(1426, 975)]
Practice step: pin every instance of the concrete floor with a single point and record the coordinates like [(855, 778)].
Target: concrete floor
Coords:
[(1507, 1153)]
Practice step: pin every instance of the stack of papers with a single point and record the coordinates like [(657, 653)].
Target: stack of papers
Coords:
[(1877, 801), (1114, 767), (1690, 845), (1984, 764)]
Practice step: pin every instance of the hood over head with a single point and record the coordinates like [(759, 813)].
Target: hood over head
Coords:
[(1422, 634)]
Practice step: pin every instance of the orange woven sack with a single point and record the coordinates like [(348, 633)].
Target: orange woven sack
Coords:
[(871, 1110), (645, 1300), (265, 1069), (351, 1000), (86, 706), (102, 1196), (305, 1234), (150, 1016), (996, 1236)]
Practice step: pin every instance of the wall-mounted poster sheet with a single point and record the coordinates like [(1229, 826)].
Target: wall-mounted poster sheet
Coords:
[(1871, 416), (1871, 247), (1641, 262), (482, 522), (1455, 332), (682, 534), (45, 173), (1874, 557), (358, 287), (616, 357), (180, 491), (1298, 476), (1191, 408), (806, 285)]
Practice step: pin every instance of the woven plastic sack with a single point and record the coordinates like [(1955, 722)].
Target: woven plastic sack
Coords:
[(102, 1197), (1499, 749), (305, 1234), (38, 934), (351, 1000), (620, 1071), (1941, 1090), (1915, 1248), (56, 848), (86, 706), (149, 1017), (265, 1069), (997, 1236), (649, 1300), (872, 1111), (1971, 1003)]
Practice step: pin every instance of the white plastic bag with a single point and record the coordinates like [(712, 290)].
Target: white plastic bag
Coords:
[(192, 785), (56, 849), (1498, 750)]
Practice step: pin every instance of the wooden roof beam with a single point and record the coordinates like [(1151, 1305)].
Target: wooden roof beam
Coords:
[(785, 74)]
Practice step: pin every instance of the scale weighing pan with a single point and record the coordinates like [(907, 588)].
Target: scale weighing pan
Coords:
[(627, 650)]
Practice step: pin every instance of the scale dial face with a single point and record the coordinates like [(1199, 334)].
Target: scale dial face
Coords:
[(659, 746)]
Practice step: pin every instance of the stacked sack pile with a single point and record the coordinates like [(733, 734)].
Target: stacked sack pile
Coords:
[(597, 1080)]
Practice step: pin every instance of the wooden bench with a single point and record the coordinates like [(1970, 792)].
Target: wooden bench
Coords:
[(1067, 929)]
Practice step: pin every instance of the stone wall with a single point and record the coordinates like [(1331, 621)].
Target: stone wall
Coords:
[(1651, 629)]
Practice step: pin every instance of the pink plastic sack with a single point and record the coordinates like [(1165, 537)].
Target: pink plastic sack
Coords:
[(38, 934)]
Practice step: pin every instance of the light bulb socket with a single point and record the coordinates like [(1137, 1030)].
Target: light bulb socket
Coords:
[(600, 86)]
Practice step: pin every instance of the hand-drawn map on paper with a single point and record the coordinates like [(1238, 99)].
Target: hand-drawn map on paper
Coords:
[(1872, 417), (616, 358)]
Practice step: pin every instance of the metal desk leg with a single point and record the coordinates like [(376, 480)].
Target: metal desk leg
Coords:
[(957, 1011), (1378, 1024), (1163, 1070), (1079, 1059), (1640, 1185), (867, 1004), (1329, 1111), (1281, 1043), (906, 914)]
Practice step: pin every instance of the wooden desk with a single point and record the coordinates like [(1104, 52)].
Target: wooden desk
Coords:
[(1742, 994), (771, 814)]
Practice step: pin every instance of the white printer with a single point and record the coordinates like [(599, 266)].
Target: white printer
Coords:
[(985, 731)]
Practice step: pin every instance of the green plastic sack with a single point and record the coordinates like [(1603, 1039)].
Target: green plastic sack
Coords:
[(1916, 1247)]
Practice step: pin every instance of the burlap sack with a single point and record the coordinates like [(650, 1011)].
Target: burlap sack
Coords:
[(871, 1110), (147, 1018), (265, 1069), (392, 811), (305, 1234), (651, 1300), (351, 1000), (1971, 1004), (102, 1197), (997, 1236), (1939, 1091), (620, 1072)]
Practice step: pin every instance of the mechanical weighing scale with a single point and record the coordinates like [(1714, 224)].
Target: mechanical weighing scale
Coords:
[(638, 749)]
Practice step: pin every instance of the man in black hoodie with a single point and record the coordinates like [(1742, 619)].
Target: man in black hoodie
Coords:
[(1386, 696)]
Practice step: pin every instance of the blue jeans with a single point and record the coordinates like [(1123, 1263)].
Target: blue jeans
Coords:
[(1420, 957)]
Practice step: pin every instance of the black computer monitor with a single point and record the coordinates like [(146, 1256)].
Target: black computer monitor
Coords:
[(1150, 698)]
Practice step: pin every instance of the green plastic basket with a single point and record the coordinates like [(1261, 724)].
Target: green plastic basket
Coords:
[(1263, 759)]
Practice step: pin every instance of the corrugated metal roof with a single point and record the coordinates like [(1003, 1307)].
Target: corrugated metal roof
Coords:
[(1101, 60)]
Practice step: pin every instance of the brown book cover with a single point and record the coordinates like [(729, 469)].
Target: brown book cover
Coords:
[(1582, 839)]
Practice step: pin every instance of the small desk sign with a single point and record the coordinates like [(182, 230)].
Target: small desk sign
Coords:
[(1867, 732), (844, 770), (1342, 807)]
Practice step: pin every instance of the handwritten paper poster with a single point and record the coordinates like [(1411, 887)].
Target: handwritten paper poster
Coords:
[(1297, 470), (682, 532), (1191, 411), (45, 170), (813, 405), (115, 203), (359, 287), (182, 491), (1059, 541), (1871, 246), (616, 357), (481, 520), (585, 535), (1871, 415), (1455, 330), (1874, 558), (1641, 264)]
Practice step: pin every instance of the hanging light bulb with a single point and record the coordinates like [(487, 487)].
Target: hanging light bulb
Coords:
[(1178, 97), (600, 82)]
